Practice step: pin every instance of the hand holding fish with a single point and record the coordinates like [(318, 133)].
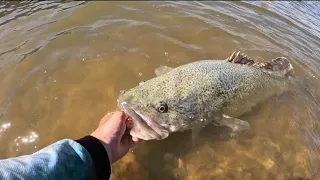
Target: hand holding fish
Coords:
[(111, 132)]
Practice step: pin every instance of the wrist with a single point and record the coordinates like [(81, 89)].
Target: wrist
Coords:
[(98, 154), (108, 150)]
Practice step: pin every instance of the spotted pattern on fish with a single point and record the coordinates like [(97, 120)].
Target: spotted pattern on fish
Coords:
[(200, 92)]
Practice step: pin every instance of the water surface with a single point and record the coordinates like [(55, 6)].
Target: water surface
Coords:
[(63, 64)]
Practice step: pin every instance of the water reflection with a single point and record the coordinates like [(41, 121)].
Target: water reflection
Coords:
[(63, 64), (4, 127), (30, 138)]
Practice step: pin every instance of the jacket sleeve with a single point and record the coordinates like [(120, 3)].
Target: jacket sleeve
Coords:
[(65, 159)]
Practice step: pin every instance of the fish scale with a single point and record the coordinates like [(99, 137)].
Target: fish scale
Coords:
[(202, 92)]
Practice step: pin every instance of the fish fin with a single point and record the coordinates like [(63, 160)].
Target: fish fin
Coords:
[(162, 70), (195, 134), (304, 84), (279, 66), (234, 123)]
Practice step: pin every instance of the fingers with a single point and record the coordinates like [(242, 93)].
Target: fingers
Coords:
[(120, 121), (119, 116), (129, 124), (116, 118)]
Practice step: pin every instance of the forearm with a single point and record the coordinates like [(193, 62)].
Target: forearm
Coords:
[(65, 159)]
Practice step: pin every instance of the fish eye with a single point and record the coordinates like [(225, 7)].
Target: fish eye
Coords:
[(162, 107)]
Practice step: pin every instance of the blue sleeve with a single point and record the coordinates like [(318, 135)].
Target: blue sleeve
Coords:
[(65, 159)]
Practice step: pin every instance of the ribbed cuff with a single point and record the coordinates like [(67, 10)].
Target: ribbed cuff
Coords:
[(99, 156)]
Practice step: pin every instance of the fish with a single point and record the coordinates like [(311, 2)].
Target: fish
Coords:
[(195, 94)]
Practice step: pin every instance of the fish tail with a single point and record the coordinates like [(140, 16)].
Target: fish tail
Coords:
[(303, 84)]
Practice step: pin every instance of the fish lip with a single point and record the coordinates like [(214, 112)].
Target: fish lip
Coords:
[(143, 122)]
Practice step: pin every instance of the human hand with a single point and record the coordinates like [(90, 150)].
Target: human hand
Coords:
[(111, 132)]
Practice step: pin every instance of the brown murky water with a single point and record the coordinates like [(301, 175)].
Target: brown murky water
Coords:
[(62, 66)]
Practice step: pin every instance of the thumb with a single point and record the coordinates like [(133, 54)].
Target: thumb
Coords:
[(118, 122)]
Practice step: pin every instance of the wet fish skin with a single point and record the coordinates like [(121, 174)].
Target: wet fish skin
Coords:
[(202, 92)]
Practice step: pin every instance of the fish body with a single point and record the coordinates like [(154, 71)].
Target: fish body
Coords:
[(202, 92)]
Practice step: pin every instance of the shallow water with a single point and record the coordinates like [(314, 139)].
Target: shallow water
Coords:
[(62, 66)]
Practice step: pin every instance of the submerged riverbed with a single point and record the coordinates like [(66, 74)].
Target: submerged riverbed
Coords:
[(63, 64)]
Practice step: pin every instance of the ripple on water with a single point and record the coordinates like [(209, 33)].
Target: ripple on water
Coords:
[(63, 64)]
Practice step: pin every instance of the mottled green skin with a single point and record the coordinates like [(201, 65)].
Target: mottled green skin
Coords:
[(200, 92)]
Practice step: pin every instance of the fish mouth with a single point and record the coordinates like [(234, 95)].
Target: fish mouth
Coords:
[(144, 124)]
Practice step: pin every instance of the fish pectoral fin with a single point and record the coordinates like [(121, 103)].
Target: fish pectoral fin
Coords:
[(234, 123), (162, 70), (195, 134)]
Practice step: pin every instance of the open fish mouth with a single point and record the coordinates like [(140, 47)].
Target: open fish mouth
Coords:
[(144, 127)]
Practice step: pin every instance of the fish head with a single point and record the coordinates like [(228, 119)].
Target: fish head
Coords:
[(159, 107)]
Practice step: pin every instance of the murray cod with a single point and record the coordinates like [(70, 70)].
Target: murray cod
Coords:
[(193, 95)]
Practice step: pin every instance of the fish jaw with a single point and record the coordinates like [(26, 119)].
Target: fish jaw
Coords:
[(145, 128)]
